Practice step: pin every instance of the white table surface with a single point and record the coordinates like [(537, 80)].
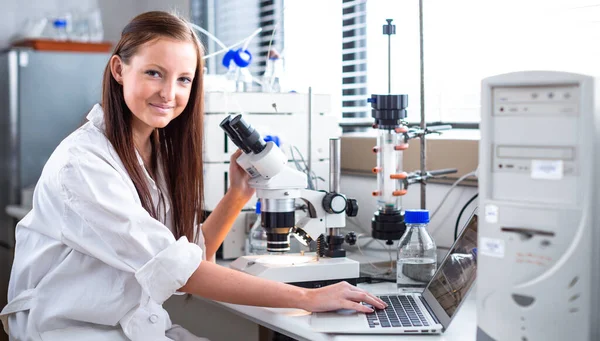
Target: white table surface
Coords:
[(295, 323)]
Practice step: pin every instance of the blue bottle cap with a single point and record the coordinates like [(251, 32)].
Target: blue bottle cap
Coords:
[(416, 216), (257, 207), (60, 23), (273, 138)]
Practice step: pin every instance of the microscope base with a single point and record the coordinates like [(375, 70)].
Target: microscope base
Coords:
[(301, 270)]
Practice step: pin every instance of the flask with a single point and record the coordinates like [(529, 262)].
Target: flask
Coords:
[(257, 237), (417, 259)]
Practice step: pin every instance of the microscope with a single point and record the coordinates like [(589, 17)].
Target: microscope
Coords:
[(278, 188)]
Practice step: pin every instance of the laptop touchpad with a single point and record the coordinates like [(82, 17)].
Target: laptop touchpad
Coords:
[(347, 316)]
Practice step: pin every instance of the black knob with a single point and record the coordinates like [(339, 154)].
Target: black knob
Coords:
[(351, 207), (334, 203), (351, 238)]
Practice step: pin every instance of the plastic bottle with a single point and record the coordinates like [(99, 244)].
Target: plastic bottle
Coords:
[(272, 78), (60, 29), (417, 259), (94, 26), (257, 237)]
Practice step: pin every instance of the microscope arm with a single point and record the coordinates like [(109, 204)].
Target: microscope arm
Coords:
[(318, 220)]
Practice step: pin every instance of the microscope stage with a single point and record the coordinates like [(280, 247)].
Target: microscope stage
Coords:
[(302, 270)]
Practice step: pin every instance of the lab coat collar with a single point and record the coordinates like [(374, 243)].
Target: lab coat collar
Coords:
[(96, 116)]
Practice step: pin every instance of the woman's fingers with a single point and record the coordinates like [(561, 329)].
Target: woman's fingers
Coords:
[(356, 306), (357, 296), (371, 295), (235, 155)]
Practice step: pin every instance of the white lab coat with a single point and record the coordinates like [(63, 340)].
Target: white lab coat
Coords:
[(90, 262)]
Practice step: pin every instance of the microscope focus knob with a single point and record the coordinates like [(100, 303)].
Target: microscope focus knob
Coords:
[(351, 207), (351, 238), (334, 203)]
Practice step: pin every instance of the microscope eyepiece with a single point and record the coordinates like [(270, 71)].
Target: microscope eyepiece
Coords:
[(247, 134), (226, 126)]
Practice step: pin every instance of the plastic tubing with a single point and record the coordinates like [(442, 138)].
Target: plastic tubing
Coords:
[(245, 41), (210, 35)]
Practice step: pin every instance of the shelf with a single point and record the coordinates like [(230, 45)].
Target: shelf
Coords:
[(67, 46)]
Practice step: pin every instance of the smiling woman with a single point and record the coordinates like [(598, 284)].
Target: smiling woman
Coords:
[(116, 227)]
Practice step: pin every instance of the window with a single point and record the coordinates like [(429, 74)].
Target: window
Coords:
[(313, 46), (234, 20), (468, 40), (338, 47), (354, 64)]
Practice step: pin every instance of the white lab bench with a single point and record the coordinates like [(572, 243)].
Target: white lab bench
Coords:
[(224, 321), (296, 323)]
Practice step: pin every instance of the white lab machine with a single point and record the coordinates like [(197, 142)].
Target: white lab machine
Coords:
[(539, 238), (285, 115)]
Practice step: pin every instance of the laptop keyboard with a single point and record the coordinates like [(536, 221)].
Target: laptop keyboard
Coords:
[(402, 311)]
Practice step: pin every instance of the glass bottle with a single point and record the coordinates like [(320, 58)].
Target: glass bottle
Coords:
[(417, 259), (257, 237)]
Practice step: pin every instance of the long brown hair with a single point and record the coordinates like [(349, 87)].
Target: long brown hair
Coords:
[(179, 143)]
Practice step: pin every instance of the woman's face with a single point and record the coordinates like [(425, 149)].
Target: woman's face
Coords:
[(157, 81)]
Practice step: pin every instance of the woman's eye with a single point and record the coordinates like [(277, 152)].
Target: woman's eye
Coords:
[(153, 73), (185, 80)]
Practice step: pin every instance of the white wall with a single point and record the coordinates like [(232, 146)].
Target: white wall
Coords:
[(441, 227), (115, 13)]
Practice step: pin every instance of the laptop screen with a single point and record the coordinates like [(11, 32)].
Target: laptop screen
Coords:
[(456, 274)]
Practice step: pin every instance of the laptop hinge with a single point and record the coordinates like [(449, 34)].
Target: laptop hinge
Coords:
[(429, 309)]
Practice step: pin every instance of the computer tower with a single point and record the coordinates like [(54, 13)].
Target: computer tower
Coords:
[(539, 240)]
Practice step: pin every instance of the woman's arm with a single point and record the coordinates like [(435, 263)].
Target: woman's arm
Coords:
[(218, 223), (222, 284)]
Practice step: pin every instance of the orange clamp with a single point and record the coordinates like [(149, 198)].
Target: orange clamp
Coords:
[(376, 193), (401, 129), (376, 170), (399, 193), (403, 146), (399, 176)]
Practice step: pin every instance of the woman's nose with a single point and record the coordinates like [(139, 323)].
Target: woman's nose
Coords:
[(167, 93)]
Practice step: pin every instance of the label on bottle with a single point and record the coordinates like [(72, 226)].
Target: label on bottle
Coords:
[(492, 247)]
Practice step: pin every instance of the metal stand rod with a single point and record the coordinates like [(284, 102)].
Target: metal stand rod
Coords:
[(335, 171), (423, 124), (389, 64), (334, 165), (310, 111)]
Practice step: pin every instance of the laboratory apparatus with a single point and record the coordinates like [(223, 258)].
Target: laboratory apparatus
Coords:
[(278, 187), (389, 112), (539, 254), (416, 259)]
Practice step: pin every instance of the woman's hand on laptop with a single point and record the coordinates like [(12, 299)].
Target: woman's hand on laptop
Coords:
[(341, 295)]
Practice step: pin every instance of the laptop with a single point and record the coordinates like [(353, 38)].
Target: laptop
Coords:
[(429, 312)]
